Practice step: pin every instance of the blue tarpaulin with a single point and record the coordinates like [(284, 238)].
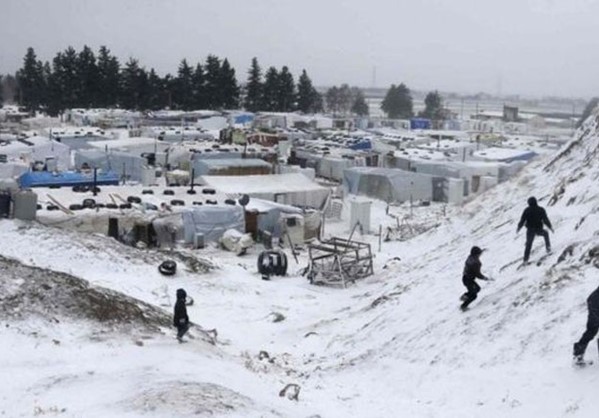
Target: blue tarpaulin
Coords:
[(420, 123), (67, 179), (361, 144)]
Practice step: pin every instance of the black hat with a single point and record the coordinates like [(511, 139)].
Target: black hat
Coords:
[(475, 251), (532, 201), (181, 294)]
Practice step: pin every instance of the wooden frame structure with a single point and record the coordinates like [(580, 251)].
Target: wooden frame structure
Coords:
[(338, 261)]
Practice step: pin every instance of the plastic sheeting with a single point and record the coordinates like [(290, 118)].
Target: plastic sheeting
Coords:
[(120, 162), (387, 184), (12, 170), (38, 148), (212, 221), (290, 189)]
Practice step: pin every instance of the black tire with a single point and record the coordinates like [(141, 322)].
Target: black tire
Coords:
[(211, 202), (208, 191), (75, 207), (177, 202), (125, 206), (147, 191), (230, 202), (168, 192), (197, 203), (111, 206), (88, 203), (168, 268), (133, 199), (51, 207)]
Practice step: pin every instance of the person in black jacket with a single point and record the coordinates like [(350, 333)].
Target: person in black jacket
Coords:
[(592, 326), (471, 273), (181, 320), (534, 217)]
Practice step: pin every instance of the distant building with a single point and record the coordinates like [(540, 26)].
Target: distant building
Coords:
[(510, 113)]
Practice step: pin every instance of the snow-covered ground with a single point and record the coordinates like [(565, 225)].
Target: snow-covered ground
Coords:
[(394, 344)]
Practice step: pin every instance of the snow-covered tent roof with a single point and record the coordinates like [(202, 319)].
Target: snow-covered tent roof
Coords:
[(506, 155), (37, 148), (292, 188)]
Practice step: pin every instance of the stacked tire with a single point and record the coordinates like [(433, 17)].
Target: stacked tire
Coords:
[(272, 263)]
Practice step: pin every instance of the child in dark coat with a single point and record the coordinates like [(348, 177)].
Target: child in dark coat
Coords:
[(181, 320), (471, 273), (592, 326)]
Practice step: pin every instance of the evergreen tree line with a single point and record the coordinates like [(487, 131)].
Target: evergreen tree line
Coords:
[(345, 99), (398, 104), (277, 91), (86, 80)]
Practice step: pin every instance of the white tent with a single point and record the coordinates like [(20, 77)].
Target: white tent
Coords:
[(291, 189), (37, 148)]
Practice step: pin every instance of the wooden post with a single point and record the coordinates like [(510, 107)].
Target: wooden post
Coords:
[(380, 236)]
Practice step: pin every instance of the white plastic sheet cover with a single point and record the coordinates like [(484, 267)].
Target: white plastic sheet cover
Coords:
[(212, 221), (121, 162), (389, 185)]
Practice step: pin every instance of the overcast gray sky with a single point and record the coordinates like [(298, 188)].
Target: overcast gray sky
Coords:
[(531, 47)]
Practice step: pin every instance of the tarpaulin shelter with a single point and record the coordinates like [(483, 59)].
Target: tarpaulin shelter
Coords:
[(291, 189)]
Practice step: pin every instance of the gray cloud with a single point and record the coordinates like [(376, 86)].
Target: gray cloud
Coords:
[(528, 47)]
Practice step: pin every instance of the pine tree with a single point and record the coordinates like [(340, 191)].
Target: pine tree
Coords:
[(133, 86), (228, 86), (31, 82), (433, 106), (308, 99), (183, 94), (212, 74), (69, 83), (198, 84), (398, 102), (108, 79), (286, 92), (360, 107), (271, 90), (154, 91), (55, 87), (254, 89), (88, 78), (332, 99), (345, 97)]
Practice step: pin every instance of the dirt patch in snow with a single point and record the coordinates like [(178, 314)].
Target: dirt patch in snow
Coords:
[(191, 398), (30, 291)]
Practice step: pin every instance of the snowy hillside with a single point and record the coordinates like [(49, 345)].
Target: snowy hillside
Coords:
[(395, 344)]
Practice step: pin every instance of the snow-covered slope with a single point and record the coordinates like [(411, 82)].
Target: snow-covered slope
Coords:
[(393, 345)]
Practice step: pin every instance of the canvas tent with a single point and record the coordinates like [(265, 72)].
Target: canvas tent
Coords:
[(127, 165), (291, 189), (212, 221), (37, 148), (389, 185)]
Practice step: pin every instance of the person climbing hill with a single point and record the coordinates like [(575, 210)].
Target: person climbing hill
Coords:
[(180, 318), (471, 273), (534, 217), (592, 327)]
